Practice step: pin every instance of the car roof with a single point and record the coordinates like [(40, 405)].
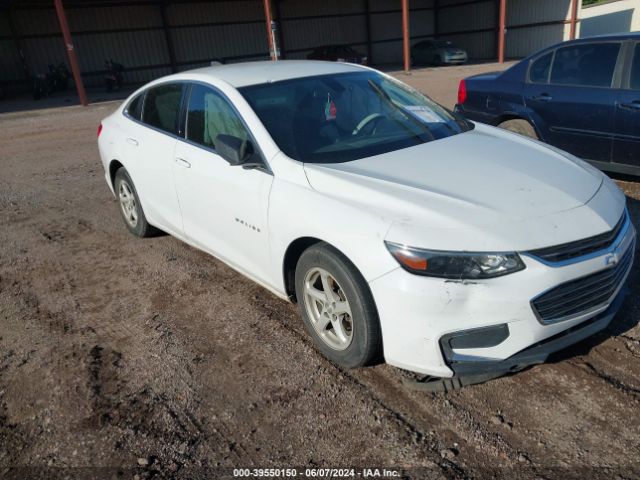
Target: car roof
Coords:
[(254, 73), (608, 36)]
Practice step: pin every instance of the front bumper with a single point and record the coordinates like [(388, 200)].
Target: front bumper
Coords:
[(538, 352), (416, 313), (455, 60)]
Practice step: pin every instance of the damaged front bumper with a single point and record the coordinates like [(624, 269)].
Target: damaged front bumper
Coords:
[(473, 372)]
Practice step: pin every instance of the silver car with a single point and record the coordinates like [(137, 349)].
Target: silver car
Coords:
[(437, 52)]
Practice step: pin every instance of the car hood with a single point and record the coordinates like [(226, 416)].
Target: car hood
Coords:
[(478, 181)]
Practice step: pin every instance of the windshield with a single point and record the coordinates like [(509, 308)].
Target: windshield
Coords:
[(444, 44), (344, 117)]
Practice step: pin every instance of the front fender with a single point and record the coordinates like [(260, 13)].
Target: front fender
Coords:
[(358, 234)]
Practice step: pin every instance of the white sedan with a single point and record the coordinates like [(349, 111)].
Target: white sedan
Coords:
[(404, 233)]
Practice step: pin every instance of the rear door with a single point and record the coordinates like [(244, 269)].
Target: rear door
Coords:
[(150, 143), (574, 105), (626, 145), (224, 207)]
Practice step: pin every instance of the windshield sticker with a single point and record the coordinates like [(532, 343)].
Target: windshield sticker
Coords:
[(424, 113), (330, 109)]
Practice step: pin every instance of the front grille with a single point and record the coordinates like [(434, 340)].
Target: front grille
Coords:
[(571, 250), (582, 295)]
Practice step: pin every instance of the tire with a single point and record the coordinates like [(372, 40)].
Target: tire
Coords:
[(350, 339), (130, 207), (520, 126), (437, 60)]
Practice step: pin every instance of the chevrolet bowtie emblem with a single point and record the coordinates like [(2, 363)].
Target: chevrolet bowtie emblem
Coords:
[(611, 260)]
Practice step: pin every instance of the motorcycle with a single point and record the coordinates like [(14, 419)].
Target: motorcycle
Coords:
[(58, 77), (113, 77), (55, 80), (40, 86)]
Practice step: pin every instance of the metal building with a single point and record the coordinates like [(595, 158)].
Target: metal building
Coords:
[(612, 16), (152, 38)]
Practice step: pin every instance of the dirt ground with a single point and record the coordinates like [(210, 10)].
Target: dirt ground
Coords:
[(123, 357)]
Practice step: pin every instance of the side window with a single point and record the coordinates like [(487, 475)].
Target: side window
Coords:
[(634, 81), (210, 115), (539, 70), (134, 109), (162, 107), (589, 65)]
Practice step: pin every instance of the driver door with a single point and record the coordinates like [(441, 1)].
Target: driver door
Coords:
[(224, 207)]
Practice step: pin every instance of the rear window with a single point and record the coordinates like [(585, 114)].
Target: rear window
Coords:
[(134, 109), (162, 107), (634, 82), (589, 65), (539, 71)]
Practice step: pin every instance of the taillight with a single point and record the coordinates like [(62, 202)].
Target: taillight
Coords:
[(462, 92), (99, 130)]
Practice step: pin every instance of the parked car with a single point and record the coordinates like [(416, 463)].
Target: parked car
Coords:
[(402, 231), (581, 96), (338, 53), (437, 52)]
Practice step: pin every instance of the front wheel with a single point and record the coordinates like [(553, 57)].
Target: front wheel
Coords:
[(337, 307)]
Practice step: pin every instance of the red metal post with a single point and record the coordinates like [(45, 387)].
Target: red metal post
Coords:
[(75, 69), (574, 19), (405, 35), (268, 18), (502, 20)]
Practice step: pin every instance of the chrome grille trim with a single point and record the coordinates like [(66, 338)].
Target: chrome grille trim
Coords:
[(583, 295), (580, 250)]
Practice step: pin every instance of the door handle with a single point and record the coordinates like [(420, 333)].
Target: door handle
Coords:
[(183, 162), (544, 97), (132, 141), (635, 105)]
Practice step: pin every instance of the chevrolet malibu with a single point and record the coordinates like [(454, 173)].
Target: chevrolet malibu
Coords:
[(403, 232)]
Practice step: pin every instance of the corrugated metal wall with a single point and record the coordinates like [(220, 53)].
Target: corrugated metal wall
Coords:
[(134, 36), (386, 27), (306, 25), (545, 22), (472, 26), (229, 31), (234, 30), (10, 64)]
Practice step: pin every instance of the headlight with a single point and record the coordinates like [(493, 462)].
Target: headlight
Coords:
[(455, 265)]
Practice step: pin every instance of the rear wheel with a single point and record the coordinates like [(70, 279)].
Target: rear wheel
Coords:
[(130, 207), (337, 307), (520, 126)]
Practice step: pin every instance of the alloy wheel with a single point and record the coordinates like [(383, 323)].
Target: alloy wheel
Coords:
[(328, 308), (128, 203)]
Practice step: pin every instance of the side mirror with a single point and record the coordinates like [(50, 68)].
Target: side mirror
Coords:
[(233, 149)]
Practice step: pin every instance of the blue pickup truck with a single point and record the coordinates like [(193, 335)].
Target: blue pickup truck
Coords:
[(582, 96)]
